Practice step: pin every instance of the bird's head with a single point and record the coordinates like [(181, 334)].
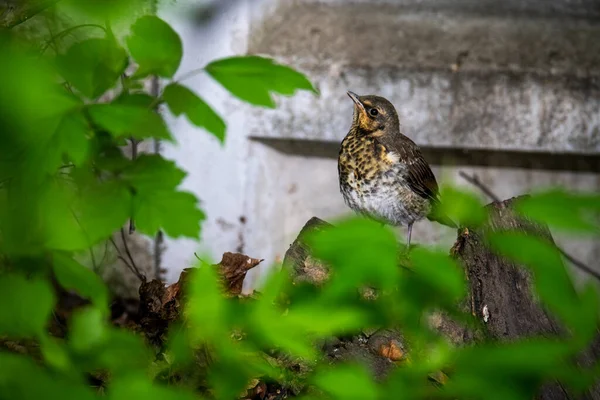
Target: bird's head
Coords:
[(374, 115)]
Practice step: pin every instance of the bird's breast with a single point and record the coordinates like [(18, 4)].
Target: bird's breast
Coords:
[(372, 182)]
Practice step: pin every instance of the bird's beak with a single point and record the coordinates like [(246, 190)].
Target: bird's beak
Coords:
[(356, 100)]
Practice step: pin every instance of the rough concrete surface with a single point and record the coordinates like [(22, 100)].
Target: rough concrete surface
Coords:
[(517, 82)]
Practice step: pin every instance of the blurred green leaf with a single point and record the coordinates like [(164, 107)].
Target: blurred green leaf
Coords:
[(552, 282), (31, 304), (181, 100), (31, 107), (349, 247), (71, 139), (155, 46), (139, 387), (230, 373), (55, 353), (101, 11), (123, 352), (280, 332), (516, 369), (462, 206), (74, 214), (129, 120), (435, 277), (93, 66), (21, 378), (253, 78), (87, 330), (346, 381), (206, 308), (178, 345), (73, 276), (319, 321), (570, 212), (175, 212)]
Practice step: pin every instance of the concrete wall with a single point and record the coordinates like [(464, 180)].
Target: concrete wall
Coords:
[(507, 90)]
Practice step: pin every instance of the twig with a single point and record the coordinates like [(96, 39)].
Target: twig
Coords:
[(127, 264), (190, 74), (126, 246), (134, 149), (53, 38), (474, 180)]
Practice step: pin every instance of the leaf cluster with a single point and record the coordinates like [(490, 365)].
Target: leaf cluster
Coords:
[(67, 185)]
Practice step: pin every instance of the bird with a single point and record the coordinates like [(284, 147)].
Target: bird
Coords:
[(382, 173)]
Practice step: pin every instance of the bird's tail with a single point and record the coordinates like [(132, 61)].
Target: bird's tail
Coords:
[(438, 216)]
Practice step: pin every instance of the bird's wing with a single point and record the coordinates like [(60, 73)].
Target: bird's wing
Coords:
[(420, 178), (418, 175)]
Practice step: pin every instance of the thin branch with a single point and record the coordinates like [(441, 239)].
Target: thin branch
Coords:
[(127, 264), (61, 34), (126, 246), (189, 74), (474, 180)]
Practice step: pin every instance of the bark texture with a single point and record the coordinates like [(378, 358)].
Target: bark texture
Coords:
[(500, 294)]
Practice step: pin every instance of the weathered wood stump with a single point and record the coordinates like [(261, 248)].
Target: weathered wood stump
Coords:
[(500, 295)]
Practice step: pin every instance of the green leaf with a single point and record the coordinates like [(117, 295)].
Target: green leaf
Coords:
[(136, 99), (129, 120), (281, 332), (71, 139), (346, 381), (156, 202), (55, 354), (552, 282), (206, 308), (569, 212), (74, 214), (151, 172), (88, 329), (175, 212), (435, 276), (155, 46), (178, 345), (123, 353), (462, 206), (93, 66), (119, 12), (73, 276), (22, 378), (181, 100), (349, 247), (253, 78), (139, 387), (29, 304), (318, 320)]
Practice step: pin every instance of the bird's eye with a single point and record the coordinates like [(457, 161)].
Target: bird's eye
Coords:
[(373, 112)]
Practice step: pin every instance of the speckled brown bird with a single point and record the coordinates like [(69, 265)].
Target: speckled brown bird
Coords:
[(382, 173)]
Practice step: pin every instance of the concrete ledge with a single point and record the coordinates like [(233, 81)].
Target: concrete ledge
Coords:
[(502, 111), (446, 156), (542, 37)]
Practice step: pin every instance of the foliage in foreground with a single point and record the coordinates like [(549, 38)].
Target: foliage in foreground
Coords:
[(66, 185)]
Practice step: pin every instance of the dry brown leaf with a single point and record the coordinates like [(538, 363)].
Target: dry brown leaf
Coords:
[(233, 269), (391, 351)]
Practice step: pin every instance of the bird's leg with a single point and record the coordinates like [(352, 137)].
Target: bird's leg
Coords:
[(410, 224)]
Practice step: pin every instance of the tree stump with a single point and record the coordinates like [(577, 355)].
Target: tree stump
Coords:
[(500, 291)]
